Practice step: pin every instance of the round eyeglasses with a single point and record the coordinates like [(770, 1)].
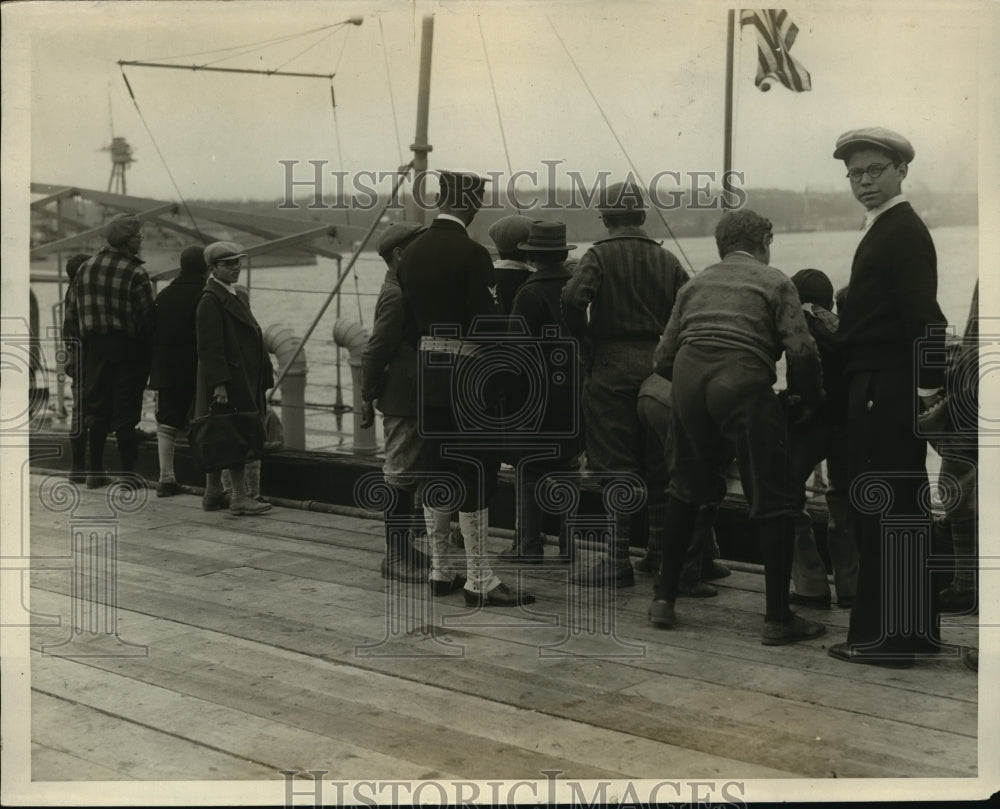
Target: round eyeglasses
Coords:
[(874, 171)]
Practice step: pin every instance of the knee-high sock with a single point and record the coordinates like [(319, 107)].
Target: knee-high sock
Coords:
[(166, 440), (439, 532), (475, 527), (777, 545), (97, 436), (679, 522)]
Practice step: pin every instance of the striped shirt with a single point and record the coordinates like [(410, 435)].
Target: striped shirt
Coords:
[(111, 294), (630, 284)]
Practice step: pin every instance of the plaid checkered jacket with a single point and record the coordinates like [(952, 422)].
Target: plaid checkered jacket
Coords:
[(111, 294)]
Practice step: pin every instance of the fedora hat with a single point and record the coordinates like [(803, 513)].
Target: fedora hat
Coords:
[(545, 236)]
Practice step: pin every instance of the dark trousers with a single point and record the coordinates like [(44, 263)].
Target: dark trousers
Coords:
[(895, 610), (115, 370), (471, 463)]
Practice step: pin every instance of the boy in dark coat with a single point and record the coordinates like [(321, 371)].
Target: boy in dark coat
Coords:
[(233, 364), (175, 360)]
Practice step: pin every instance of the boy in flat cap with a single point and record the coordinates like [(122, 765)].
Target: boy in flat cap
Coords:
[(891, 303), (109, 308), (512, 269), (389, 366)]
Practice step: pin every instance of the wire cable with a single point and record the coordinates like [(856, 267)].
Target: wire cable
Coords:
[(163, 159), (496, 104), (614, 134)]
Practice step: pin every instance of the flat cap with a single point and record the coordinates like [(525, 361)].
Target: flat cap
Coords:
[(222, 251), (876, 136), (623, 197), (462, 180), (398, 233), (509, 232), (121, 228)]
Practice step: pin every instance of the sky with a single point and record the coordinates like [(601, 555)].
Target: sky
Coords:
[(597, 86)]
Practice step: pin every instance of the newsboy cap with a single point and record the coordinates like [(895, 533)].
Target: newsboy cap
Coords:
[(398, 233), (626, 197), (462, 189), (509, 232), (222, 251), (876, 136), (121, 228)]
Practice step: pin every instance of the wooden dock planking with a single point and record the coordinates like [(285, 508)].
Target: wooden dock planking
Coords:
[(261, 617)]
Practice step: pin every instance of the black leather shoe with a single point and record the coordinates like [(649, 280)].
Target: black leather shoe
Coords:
[(443, 588), (604, 574), (661, 613), (215, 502), (954, 600), (399, 569), (795, 628), (649, 563), (499, 596), (714, 570), (168, 488), (844, 651), (816, 602), (698, 589), (98, 480), (515, 555)]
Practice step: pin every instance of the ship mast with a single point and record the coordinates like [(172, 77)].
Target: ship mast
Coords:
[(414, 209)]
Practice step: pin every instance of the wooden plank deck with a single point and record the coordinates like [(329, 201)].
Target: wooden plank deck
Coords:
[(268, 650)]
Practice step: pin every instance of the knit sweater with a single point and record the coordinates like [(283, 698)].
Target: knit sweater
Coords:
[(744, 305)]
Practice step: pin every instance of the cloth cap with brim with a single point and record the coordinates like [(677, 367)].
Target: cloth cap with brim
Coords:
[(877, 137), (397, 234), (462, 188), (193, 260), (121, 228), (814, 287), (624, 197), (546, 236), (508, 233), (223, 251)]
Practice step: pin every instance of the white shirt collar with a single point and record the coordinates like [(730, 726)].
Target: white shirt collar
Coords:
[(228, 287), (451, 218), (875, 213)]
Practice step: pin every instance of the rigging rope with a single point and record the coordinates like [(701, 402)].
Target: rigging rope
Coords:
[(392, 100), (614, 134), (163, 159), (496, 103)]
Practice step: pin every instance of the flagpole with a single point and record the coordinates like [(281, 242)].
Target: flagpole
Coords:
[(727, 157)]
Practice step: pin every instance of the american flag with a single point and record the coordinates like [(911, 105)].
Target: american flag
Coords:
[(775, 36)]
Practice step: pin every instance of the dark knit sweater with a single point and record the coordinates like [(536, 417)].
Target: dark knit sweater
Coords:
[(744, 305), (892, 298)]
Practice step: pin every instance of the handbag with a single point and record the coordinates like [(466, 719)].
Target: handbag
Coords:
[(222, 439)]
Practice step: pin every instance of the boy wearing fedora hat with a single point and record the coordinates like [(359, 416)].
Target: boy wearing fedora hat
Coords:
[(536, 310)]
